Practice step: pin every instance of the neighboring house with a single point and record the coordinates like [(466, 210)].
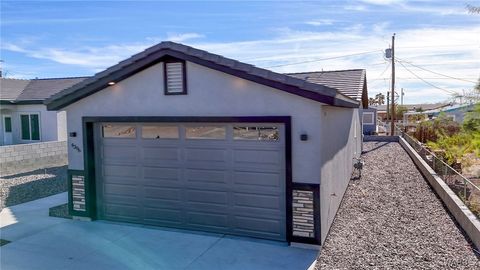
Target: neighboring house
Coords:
[(179, 137), (454, 111), (352, 83), (24, 117), (369, 121), (382, 109)]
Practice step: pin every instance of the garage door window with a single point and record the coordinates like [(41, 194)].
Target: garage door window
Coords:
[(256, 133), (206, 132), (119, 131), (160, 132)]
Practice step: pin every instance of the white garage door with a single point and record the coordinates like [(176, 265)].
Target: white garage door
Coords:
[(222, 177)]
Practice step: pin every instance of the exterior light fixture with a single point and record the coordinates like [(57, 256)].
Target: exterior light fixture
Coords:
[(111, 83)]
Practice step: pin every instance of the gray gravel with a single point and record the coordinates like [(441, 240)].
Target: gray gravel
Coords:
[(391, 219), (20, 188)]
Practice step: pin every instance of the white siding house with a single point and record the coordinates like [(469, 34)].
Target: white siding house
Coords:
[(23, 116), (209, 143)]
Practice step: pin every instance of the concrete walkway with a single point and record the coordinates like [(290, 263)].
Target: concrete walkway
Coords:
[(43, 242)]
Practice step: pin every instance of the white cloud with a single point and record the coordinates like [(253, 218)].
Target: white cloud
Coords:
[(183, 37), (382, 2), (320, 22), (449, 50)]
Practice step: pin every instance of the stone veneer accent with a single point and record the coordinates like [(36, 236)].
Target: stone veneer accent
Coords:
[(22, 158), (303, 214)]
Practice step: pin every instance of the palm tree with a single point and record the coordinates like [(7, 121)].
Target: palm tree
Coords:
[(380, 98)]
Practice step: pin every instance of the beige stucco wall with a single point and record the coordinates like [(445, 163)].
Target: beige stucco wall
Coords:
[(342, 142), (210, 93)]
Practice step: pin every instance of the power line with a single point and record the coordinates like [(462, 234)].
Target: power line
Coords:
[(440, 88), (434, 72), (322, 59), (413, 78), (440, 46), (381, 74)]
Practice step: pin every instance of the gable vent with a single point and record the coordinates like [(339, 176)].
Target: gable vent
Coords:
[(175, 78)]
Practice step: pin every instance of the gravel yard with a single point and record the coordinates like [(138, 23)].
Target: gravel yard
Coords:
[(24, 187), (391, 219)]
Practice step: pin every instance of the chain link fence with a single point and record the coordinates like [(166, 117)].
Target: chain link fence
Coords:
[(465, 189)]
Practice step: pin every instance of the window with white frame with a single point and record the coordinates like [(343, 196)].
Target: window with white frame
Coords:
[(368, 118), (30, 126)]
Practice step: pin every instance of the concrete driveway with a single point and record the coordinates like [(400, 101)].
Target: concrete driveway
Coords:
[(43, 242)]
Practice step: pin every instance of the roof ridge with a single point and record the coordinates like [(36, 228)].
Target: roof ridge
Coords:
[(284, 82), (3, 78), (326, 71), (61, 78)]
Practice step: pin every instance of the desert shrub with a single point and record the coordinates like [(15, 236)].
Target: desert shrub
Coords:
[(431, 131), (456, 146)]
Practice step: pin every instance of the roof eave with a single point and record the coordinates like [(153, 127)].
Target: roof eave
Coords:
[(145, 60), (21, 102)]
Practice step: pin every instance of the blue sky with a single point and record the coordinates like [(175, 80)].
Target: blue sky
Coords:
[(78, 38)]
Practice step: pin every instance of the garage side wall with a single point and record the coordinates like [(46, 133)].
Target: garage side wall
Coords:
[(210, 93), (341, 130)]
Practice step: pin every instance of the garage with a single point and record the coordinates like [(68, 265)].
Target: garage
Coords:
[(227, 178)]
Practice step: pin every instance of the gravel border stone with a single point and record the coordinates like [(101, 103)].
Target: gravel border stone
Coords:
[(25, 187), (391, 219)]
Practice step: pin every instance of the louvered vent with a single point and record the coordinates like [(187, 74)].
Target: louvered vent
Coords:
[(174, 73)]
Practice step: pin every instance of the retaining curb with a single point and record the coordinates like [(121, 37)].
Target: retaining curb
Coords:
[(461, 213)]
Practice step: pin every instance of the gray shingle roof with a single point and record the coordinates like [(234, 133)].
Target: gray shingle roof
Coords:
[(348, 82), (10, 89), (123, 69), (15, 90)]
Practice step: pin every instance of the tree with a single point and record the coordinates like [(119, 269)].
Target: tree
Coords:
[(372, 101), (380, 98), (399, 111), (471, 122)]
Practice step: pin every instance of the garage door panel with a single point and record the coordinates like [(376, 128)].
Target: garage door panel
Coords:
[(263, 157), (270, 202), (257, 224), (267, 226), (205, 155), (272, 180), (160, 174), (162, 193), (227, 185), (123, 211), (205, 176), (130, 200), (121, 171), (163, 203), (208, 220), (121, 180), (207, 207), (163, 215), (161, 154), (205, 196), (118, 189), (120, 153)]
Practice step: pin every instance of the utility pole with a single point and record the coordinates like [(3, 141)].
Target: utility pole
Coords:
[(392, 111), (402, 94), (388, 108)]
